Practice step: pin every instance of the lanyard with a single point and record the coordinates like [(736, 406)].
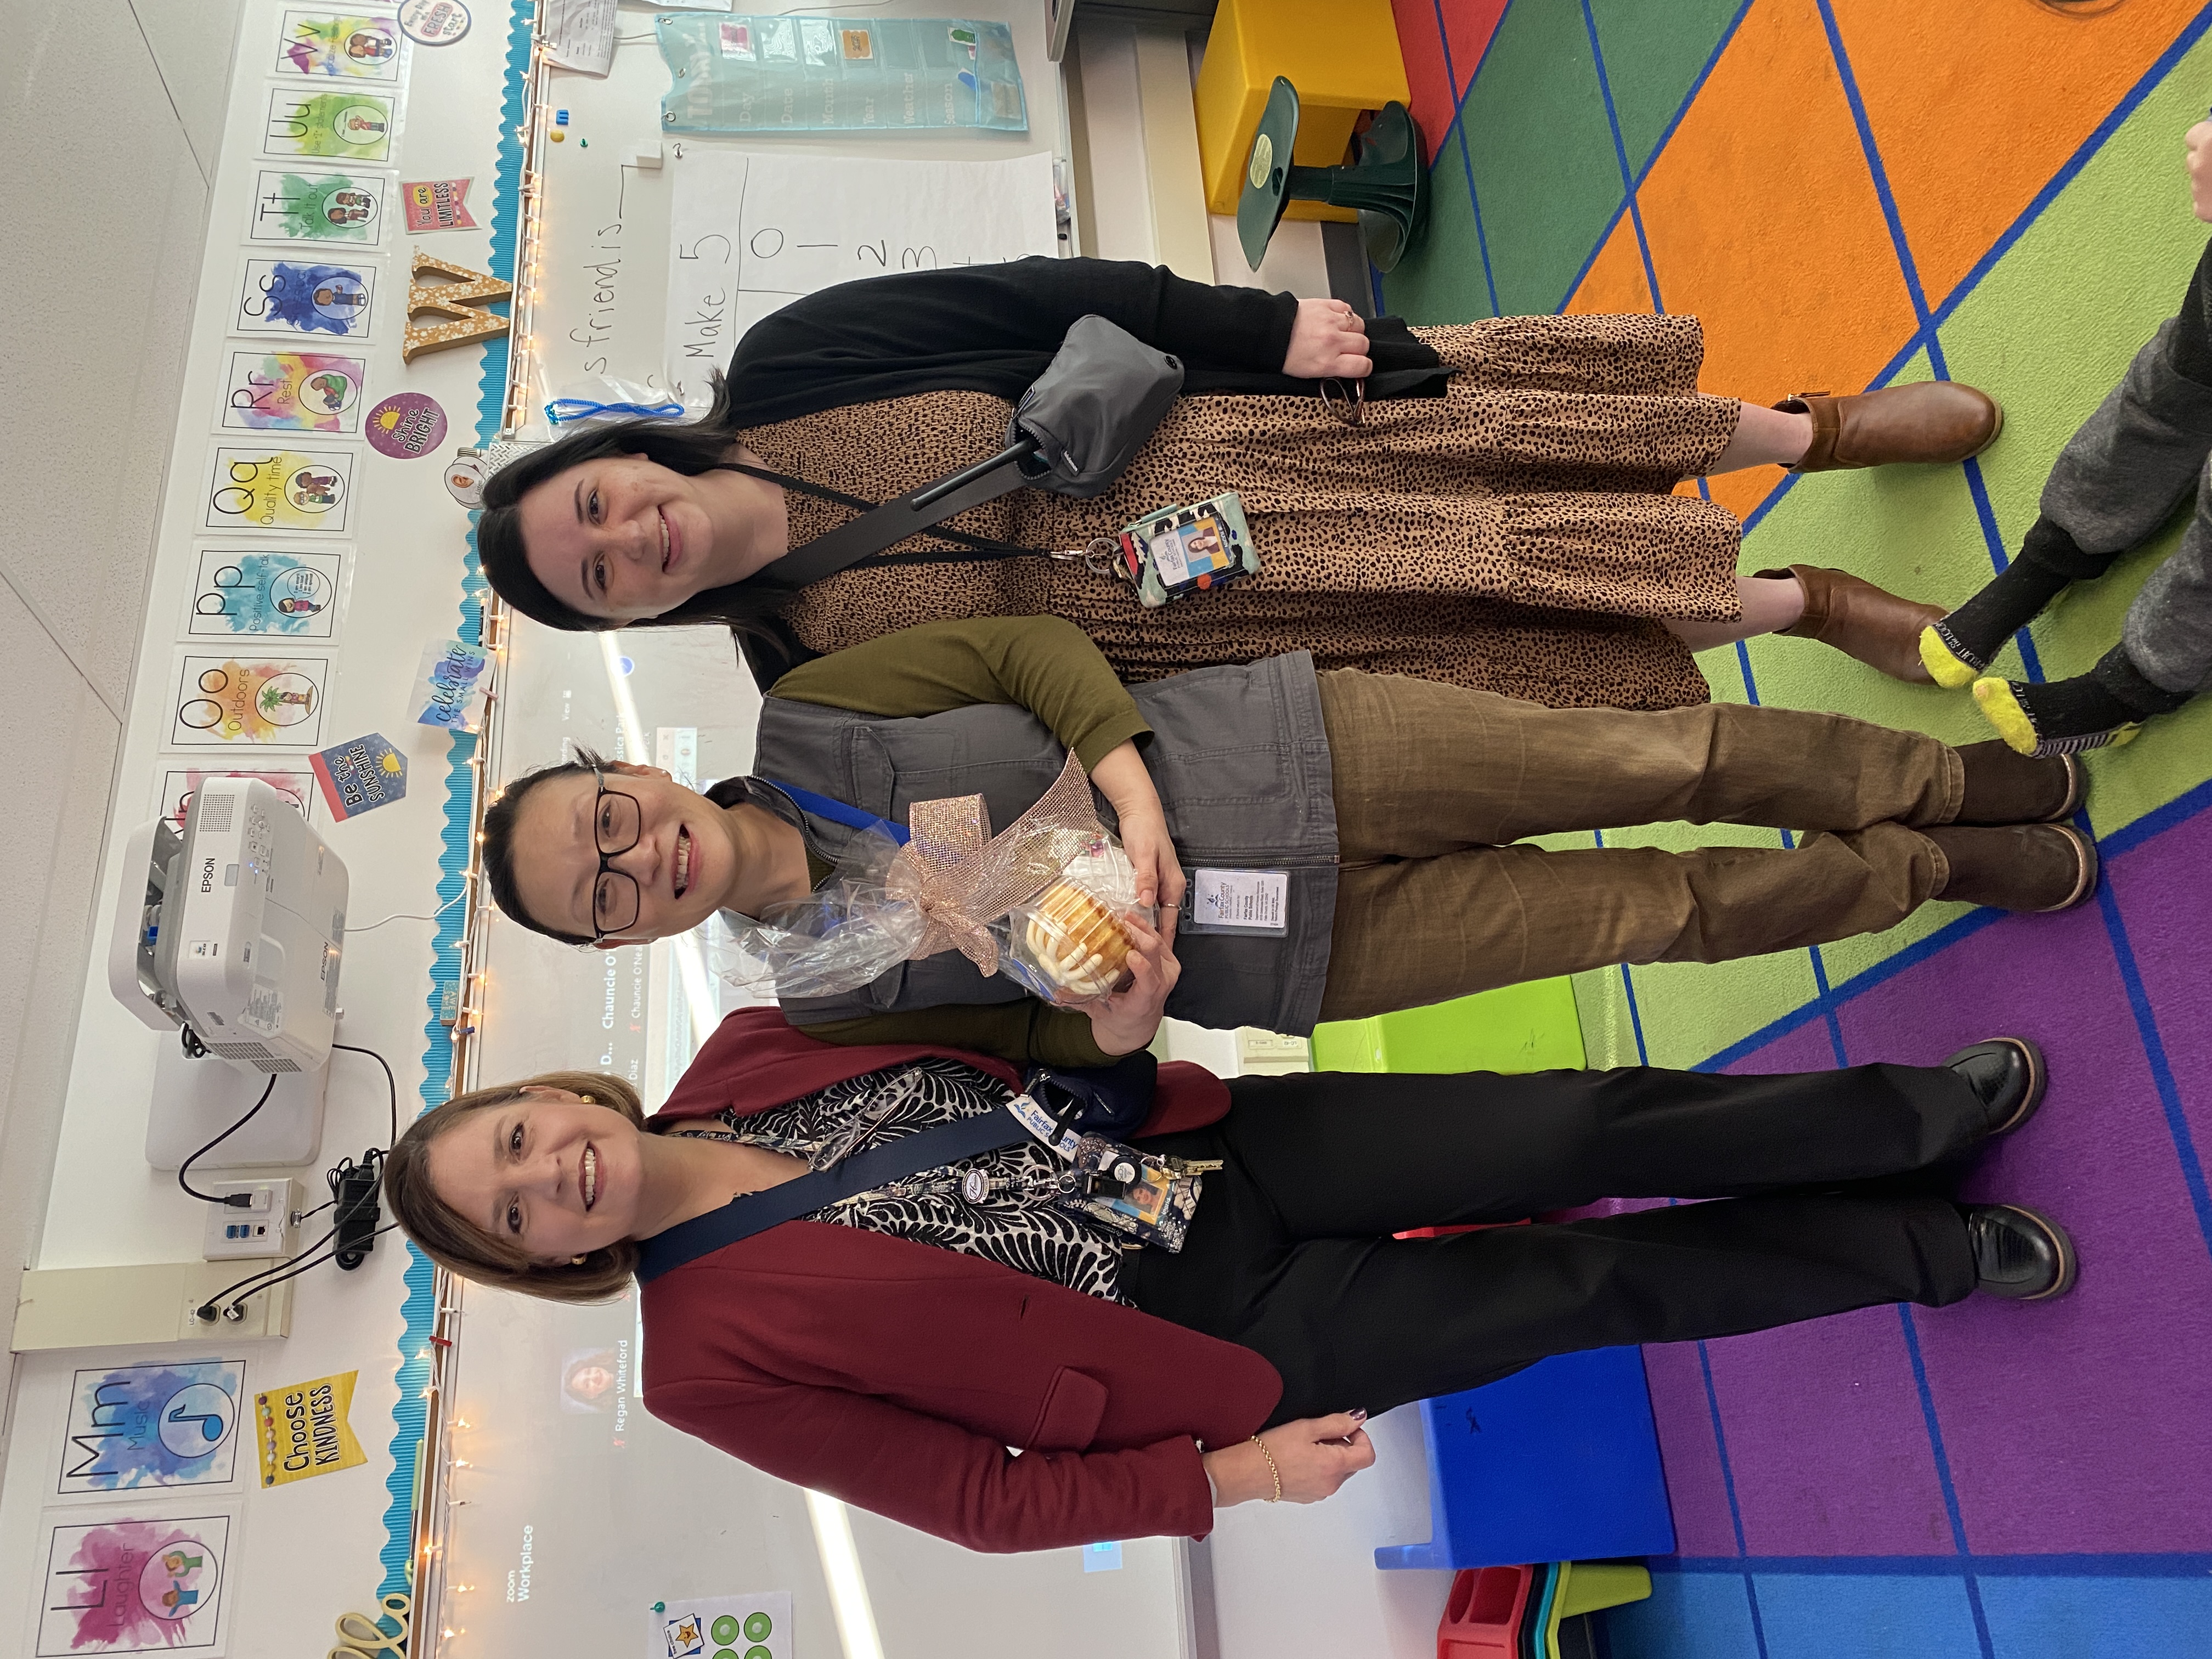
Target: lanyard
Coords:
[(837, 812)]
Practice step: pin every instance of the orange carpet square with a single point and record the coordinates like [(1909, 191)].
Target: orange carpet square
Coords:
[(1614, 282), (1764, 223), (1975, 108)]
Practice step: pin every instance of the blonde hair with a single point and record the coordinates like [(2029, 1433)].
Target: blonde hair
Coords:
[(460, 1245)]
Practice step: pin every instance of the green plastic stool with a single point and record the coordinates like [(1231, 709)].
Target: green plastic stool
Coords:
[(1388, 186), (1515, 1028)]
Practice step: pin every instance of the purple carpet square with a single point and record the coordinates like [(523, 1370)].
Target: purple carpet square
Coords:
[(1808, 1048), (1696, 1485), (1827, 1440), (2043, 1409), (2165, 906)]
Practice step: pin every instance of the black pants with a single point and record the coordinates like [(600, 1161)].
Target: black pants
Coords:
[(1291, 1253)]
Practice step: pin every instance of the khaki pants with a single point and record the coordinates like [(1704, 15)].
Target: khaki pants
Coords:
[(1434, 781)]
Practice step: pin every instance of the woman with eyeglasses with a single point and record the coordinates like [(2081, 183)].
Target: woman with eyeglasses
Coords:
[(1394, 812), (1489, 504)]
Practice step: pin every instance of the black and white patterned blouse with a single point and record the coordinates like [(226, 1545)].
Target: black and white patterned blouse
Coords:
[(998, 1206)]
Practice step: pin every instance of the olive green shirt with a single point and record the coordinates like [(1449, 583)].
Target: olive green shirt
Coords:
[(1042, 664)]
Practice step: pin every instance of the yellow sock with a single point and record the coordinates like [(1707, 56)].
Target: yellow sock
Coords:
[(1998, 705), (1944, 667)]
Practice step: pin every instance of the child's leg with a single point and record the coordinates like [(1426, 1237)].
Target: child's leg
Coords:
[(2113, 485), (2165, 654), (2167, 638)]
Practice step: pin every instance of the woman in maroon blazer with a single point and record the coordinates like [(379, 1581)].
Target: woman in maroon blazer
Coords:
[(891, 1349)]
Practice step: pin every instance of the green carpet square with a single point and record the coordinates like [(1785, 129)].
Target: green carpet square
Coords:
[(1653, 55), (1441, 279), (1545, 176)]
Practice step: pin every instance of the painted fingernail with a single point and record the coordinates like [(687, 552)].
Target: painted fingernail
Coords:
[(1358, 1414)]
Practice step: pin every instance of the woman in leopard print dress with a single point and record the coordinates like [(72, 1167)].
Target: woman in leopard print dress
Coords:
[(1505, 516)]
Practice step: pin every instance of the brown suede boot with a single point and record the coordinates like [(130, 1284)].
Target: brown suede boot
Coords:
[(1929, 421), (2004, 787), (1860, 620), (2026, 867)]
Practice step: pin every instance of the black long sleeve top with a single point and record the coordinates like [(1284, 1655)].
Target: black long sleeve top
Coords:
[(994, 328)]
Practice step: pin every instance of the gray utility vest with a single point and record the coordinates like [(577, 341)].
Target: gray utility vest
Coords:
[(1240, 758)]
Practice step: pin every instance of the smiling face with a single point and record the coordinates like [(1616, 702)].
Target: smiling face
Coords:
[(548, 1172), (623, 538), (684, 862)]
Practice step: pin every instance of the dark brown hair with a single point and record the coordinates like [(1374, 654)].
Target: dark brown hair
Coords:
[(470, 1252), (498, 850), (690, 448)]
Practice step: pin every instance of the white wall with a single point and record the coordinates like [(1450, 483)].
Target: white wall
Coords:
[(107, 216)]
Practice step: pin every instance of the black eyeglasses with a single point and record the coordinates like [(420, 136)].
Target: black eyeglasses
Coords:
[(614, 829)]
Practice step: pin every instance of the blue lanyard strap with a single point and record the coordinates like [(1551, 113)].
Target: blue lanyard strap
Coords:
[(755, 1212), (837, 812)]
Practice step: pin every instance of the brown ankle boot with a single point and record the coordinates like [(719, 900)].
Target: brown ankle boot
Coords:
[(2004, 787), (2026, 867), (1860, 620), (1929, 421)]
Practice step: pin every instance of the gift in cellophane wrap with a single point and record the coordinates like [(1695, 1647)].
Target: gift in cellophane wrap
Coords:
[(848, 932), (1045, 902), (1071, 942)]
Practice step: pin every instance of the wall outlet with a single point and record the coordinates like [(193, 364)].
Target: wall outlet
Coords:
[(262, 1227), (1270, 1054)]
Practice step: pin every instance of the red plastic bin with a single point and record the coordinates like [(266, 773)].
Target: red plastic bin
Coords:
[(1482, 1617)]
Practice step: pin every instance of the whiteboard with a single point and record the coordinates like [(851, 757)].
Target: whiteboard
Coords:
[(752, 231), (610, 187), (605, 1511)]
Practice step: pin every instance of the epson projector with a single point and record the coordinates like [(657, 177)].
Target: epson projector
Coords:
[(233, 931)]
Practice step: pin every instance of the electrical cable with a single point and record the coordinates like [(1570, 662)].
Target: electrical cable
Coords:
[(232, 1201), (334, 1178), (208, 1309), (238, 1310), (409, 915), (391, 1083)]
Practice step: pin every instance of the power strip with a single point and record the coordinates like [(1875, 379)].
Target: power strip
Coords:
[(261, 1227)]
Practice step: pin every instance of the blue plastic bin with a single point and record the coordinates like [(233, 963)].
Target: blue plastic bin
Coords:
[(1558, 1462)]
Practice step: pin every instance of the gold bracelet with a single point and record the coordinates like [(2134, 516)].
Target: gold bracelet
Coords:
[(1272, 1469)]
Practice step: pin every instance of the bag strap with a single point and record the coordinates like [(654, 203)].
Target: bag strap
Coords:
[(756, 1212), (837, 812), (877, 527)]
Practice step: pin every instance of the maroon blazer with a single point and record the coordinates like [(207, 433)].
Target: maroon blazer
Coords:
[(897, 1376)]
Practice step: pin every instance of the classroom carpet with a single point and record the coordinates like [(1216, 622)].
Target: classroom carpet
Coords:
[(1852, 193)]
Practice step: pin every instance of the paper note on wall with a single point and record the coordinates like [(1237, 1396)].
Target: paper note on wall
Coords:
[(757, 1625), (302, 1431), (749, 233)]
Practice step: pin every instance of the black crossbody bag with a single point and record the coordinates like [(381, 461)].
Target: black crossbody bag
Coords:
[(1078, 426)]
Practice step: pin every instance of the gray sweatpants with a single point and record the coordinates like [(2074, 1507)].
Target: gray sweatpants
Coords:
[(2118, 480)]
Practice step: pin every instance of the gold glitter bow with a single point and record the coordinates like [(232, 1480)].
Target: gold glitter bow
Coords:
[(963, 878)]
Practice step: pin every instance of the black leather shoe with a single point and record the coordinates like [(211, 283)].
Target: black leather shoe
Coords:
[(2019, 1253), (2007, 1075)]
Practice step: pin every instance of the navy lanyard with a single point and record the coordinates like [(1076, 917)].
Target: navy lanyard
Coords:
[(837, 812)]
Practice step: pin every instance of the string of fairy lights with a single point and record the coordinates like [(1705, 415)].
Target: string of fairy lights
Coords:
[(441, 1613)]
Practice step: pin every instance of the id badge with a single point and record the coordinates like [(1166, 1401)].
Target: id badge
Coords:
[(1140, 1196), (1187, 550), (1252, 902)]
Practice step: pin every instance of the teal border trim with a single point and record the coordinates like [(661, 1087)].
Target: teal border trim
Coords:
[(418, 1308)]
